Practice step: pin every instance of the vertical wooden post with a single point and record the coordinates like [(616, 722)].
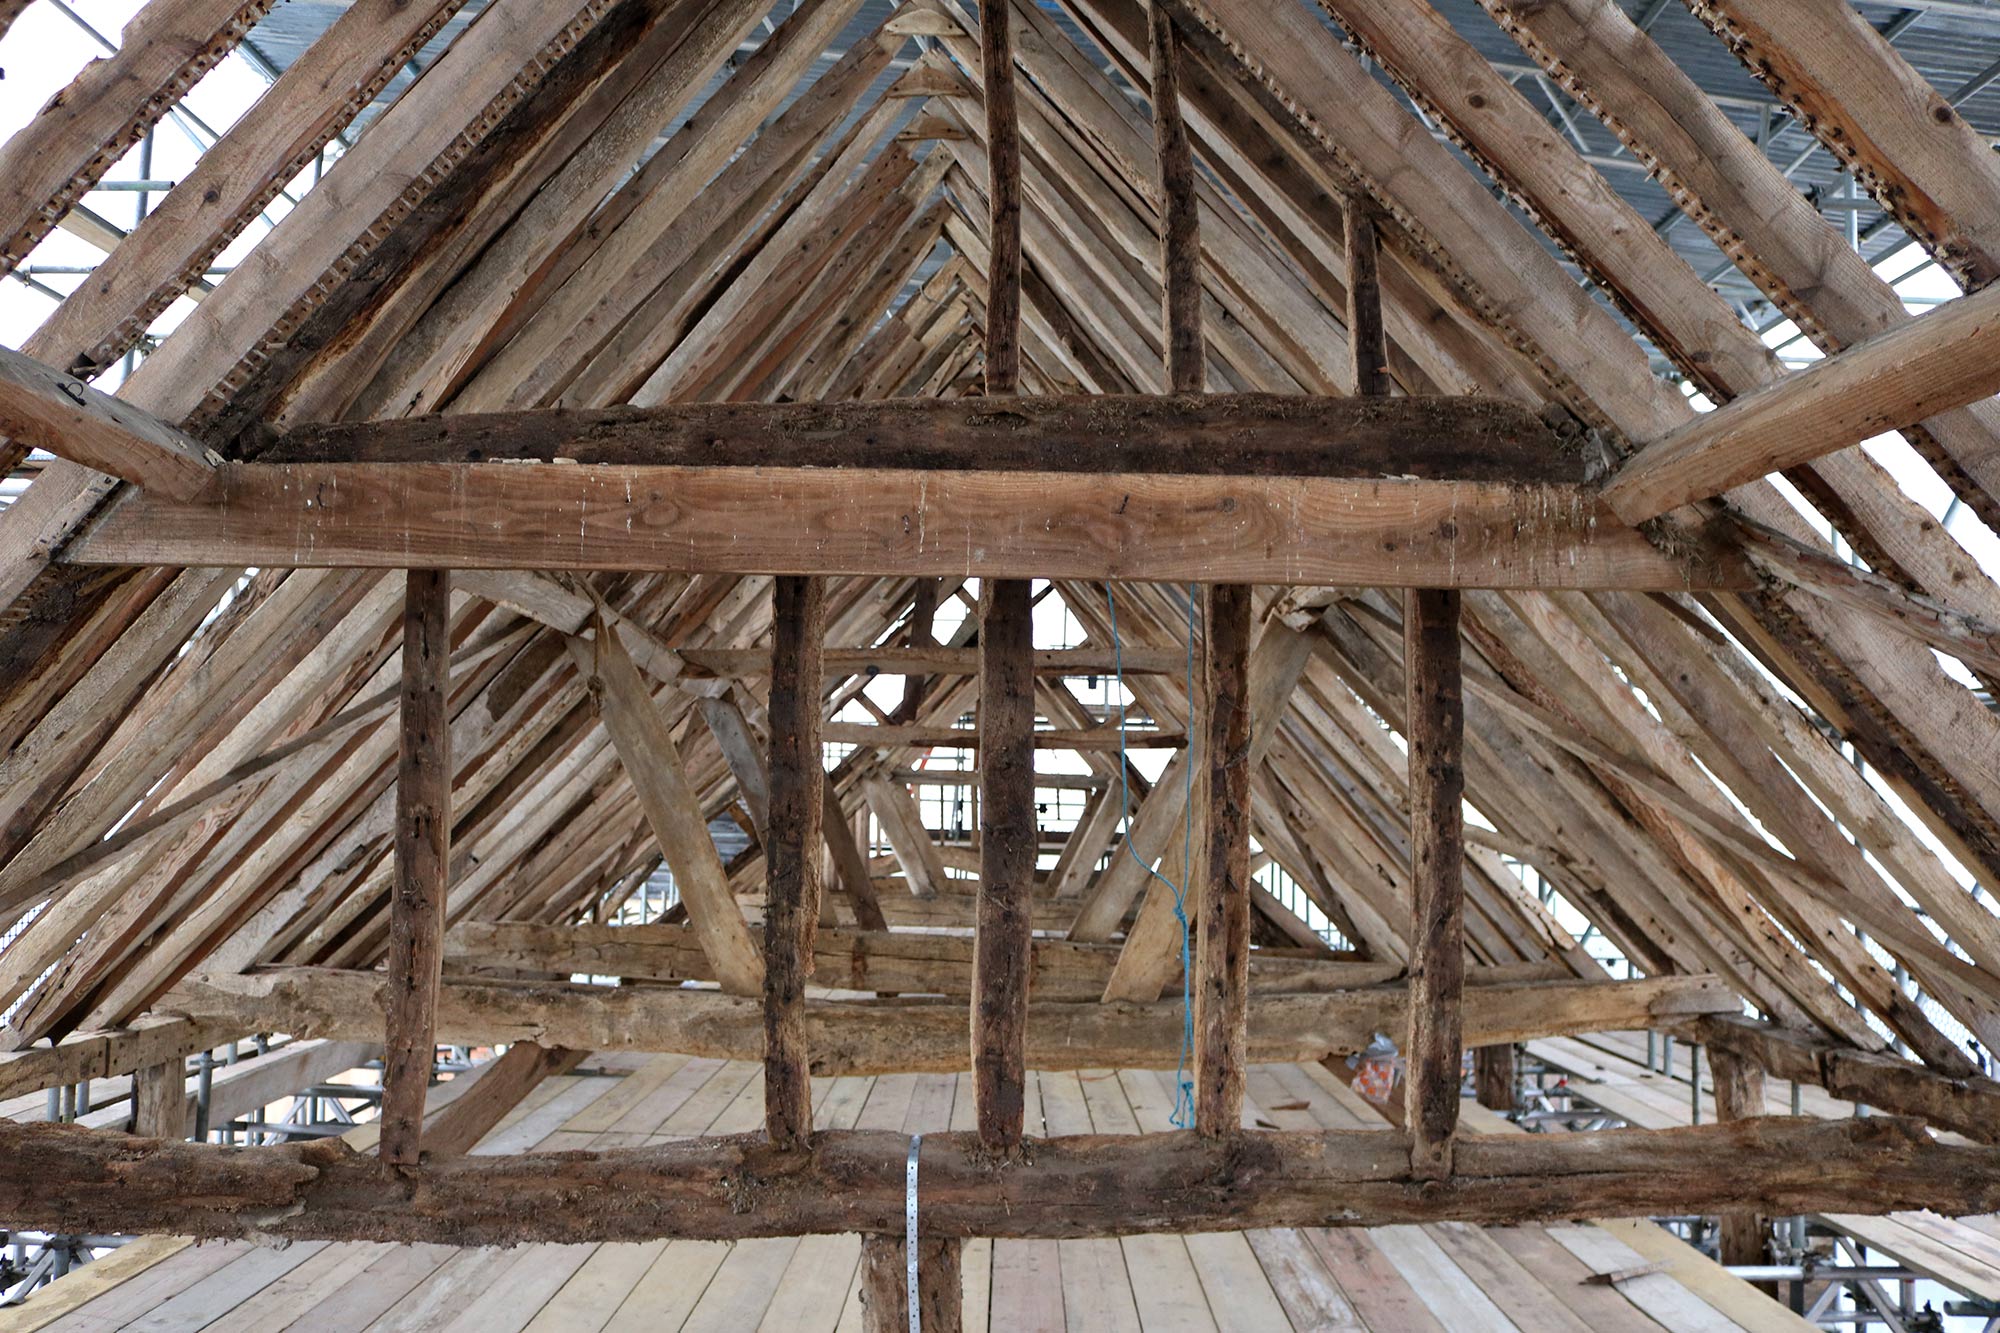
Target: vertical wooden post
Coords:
[(1007, 847), (160, 1105), (1368, 345), (792, 851), (1436, 733), (885, 1302), (1493, 1076), (1739, 1095), (423, 860), (1003, 232), (1222, 906), (1180, 220)]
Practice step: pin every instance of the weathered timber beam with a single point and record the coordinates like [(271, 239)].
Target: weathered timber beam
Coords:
[(895, 736), (1003, 938), (1435, 723), (1971, 1106), (1280, 530), (905, 962), (874, 1037), (422, 864), (65, 1178), (1897, 378), (937, 660), (1003, 213), (1250, 434), (1221, 889), (792, 854), (646, 748), (42, 407), (497, 1088), (151, 1040)]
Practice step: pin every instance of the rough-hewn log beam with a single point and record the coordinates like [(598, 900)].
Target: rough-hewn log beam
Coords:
[(65, 1178), (856, 1037), (937, 660), (1946, 359), (792, 852), (1222, 887), (42, 407), (1008, 840), (151, 1040), (1282, 530), (1436, 730), (1971, 1106), (1456, 439), (423, 865), (907, 962)]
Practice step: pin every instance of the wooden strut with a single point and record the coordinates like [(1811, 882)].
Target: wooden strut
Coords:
[(1007, 846), (1222, 889), (1739, 1095), (423, 863), (68, 1178), (1436, 734), (1180, 218), (1003, 217), (792, 852)]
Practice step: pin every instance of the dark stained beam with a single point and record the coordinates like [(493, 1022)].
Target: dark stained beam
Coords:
[(1222, 889), (792, 852), (1008, 841), (1180, 219), (1003, 215), (1435, 719), (1368, 342), (1248, 434)]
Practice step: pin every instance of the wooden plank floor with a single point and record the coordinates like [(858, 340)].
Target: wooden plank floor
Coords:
[(1610, 1069), (1390, 1278)]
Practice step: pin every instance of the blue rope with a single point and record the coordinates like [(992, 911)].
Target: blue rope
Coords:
[(1183, 1117)]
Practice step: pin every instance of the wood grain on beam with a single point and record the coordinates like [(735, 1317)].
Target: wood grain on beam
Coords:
[(1943, 360), (42, 407), (66, 1178), (422, 865), (1290, 530)]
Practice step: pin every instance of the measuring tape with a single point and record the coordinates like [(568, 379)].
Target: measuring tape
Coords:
[(910, 1232)]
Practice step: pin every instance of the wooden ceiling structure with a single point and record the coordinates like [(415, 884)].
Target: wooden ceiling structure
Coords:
[(683, 443)]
